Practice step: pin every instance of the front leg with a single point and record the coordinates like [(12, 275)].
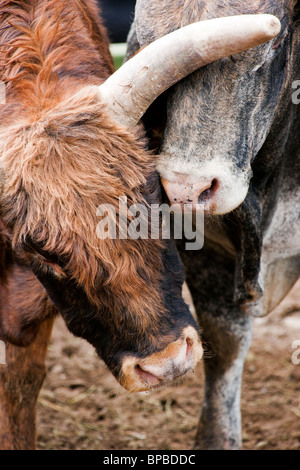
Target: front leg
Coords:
[(20, 381), (228, 341), (226, 333)]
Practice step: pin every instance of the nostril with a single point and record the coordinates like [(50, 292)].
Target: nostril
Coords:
[(208, 192), (189, 347), (214, 185), (146, 376)]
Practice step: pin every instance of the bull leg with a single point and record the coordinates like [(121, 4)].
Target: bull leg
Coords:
[(20, 382), (226, 333), (220, 421)]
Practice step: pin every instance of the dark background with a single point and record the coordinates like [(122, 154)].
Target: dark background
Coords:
[(118, 16)]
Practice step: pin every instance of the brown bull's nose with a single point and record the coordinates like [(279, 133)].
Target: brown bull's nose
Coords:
[(161, 368), (184, 191)]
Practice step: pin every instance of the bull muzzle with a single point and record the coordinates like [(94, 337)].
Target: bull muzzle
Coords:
[(163, 367)]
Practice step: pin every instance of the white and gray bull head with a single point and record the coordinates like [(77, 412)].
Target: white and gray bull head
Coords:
[(218, 118)]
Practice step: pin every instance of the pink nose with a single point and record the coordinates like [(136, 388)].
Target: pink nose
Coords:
[(184, 191), (163, 367)]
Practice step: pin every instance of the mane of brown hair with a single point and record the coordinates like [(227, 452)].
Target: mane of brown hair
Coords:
[(62, 156), (42, 41)]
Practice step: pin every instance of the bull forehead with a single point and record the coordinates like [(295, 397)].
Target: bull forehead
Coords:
[(207, 9), (232, 115)]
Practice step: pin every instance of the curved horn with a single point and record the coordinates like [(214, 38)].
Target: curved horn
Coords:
[(129, 92)]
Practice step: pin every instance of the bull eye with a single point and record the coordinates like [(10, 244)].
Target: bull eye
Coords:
[(55, 268), (41, 259)]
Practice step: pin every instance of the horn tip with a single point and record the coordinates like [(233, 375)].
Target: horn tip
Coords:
[(271, 25)]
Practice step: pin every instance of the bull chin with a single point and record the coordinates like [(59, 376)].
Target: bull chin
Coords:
[(163, 367)]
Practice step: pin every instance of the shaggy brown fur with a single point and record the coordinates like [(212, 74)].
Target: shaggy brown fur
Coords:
[(62, 156)]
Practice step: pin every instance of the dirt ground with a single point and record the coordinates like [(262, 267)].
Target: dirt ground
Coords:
[(81, 405)]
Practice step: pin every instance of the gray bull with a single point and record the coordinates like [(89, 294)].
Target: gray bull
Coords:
[(230, 142)]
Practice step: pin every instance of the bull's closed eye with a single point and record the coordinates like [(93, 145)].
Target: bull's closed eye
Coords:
[(40, 259), (55, 268), (40, 262)]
